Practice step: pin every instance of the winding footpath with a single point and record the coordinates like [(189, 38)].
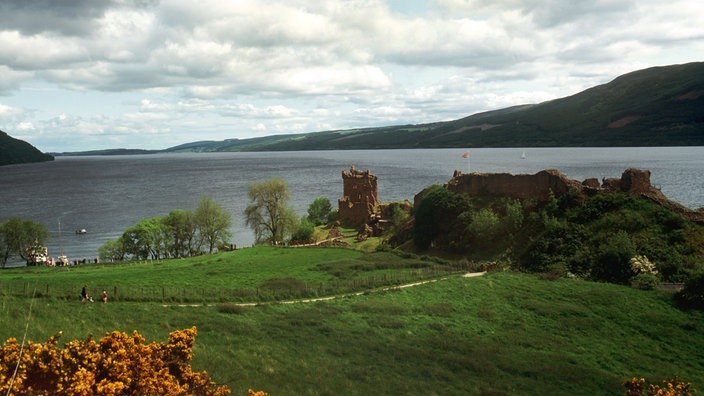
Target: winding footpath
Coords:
[(328, 298)]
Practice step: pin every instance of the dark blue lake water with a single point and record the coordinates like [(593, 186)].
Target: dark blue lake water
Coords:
[(106, 195)]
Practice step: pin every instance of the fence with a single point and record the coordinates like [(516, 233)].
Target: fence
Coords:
[(286, 289)]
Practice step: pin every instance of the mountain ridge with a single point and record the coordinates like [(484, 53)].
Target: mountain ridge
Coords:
[(657, 106)]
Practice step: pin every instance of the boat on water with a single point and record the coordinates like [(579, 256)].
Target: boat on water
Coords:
[(81, 231), (523, 155)]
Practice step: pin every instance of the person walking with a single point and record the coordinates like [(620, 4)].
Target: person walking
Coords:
[(84, 294), (105, 296)]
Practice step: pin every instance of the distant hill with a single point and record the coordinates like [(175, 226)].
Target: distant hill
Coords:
[(659, 106), (15, 151), (118, 151)]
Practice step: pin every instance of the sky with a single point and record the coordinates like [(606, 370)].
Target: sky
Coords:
[(81, 75)]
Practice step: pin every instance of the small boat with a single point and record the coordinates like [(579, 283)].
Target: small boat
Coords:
[(523, 155), (81, 231)]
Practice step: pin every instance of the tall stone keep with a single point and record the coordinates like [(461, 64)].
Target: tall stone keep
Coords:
[(359, 199)]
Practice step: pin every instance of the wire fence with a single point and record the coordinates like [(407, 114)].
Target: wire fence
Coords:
[(287, 288)]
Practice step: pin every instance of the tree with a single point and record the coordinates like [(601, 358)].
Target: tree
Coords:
[(268, 214), (112, 250), (319, 211), (157, 237), (135, 242), (437, 214), (304, 231), (16, 235), (485, 226), (182, 230), (612, 261), (213, 223)]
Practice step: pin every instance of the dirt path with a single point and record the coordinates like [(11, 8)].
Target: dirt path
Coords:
[(328, 298)]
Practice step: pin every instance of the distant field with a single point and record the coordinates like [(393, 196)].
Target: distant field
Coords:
[(499, 334)]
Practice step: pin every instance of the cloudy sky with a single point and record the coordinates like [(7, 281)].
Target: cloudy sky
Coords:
[(87, 74)]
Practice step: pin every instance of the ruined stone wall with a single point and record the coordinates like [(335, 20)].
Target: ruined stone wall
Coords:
[(524, 186), (540, 185), (359, 197)]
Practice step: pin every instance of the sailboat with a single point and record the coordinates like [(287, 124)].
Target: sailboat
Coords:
[(523, 155)]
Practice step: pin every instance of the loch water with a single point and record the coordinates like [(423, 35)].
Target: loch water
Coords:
[(108, 194)]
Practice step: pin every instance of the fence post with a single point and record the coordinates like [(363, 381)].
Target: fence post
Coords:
[(114, 293)]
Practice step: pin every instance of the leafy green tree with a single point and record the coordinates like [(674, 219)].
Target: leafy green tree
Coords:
[(437, 214), (319, 211), (182, 233), (304, 231), (148, 239), (136, 243), (158, 237), (16, 235), (485, 226), (513, 217), (213, 223), (112, 250), (268, 214), (613, 257)]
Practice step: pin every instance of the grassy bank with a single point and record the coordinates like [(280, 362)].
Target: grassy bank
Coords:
[(501, 334)]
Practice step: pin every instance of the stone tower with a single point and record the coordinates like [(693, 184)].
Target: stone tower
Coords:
[(359, 198)]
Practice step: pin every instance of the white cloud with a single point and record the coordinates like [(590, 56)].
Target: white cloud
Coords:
[(9, 111), (212, 69)]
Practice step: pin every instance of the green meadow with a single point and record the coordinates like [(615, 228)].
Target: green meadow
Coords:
[(501, 333)]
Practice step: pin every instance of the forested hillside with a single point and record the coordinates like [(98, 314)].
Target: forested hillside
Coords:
[(15, 151)]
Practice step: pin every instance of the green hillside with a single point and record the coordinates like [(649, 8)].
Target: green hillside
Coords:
[(659, 106), (15, 151), (498, 334)]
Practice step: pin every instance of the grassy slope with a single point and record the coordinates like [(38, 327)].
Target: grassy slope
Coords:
[(244, 275), (506, 333)]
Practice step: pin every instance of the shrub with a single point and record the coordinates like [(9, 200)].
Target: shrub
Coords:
[(645, 281), (304, 231), (436, 215), (671, 387), (692, 295), (115, 365), (485, 226), (613, 259)]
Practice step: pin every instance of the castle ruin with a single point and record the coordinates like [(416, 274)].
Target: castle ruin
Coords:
[(359, 200), (544, 183)]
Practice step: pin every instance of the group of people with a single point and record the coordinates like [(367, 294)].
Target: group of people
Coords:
[(85, 297)]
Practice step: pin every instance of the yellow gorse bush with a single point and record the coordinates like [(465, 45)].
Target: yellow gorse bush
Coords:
[(671, 387), (118, 364)]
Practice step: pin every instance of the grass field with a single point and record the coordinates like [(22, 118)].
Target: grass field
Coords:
[(497, 334)]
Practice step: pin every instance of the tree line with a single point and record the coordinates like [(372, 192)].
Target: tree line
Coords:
[(185, 233), (181, 233)]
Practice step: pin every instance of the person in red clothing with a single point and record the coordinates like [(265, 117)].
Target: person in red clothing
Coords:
[(105, 296)]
